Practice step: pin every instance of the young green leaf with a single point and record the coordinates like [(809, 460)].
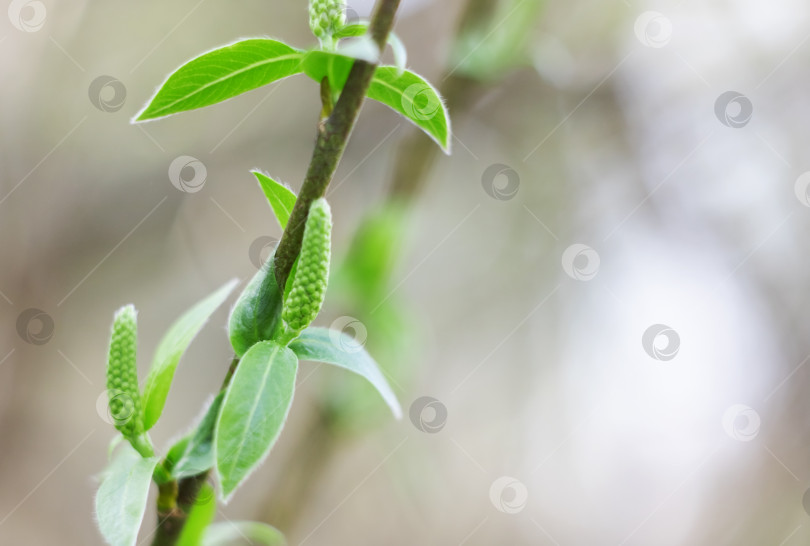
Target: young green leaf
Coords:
[(172, 347), (397, 47), (197, 452), (222, 74), (322, 64), (280, 197), (176, 452), (402, 90), (253, 412), (507, 30), (413, 97), (121, 499), (367, 267), (199, 518), (257, 314), (333, 347), (114, 443), (362, 47), (225, 533)]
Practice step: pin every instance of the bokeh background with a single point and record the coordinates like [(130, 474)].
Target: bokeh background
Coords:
[(600, 297)]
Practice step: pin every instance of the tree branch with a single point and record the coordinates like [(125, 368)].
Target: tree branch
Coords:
[(333, 133)]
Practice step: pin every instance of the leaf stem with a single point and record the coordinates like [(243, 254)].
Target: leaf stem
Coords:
[(333, 133)]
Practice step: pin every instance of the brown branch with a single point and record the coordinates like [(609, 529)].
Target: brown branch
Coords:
[(333, 133)]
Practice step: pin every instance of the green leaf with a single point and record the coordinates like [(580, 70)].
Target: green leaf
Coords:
[(257, 314), (333, 347), (176, 451), (222, 74), (280, 197), (172, 347), (500, 42), (397, 47), (413, 97), (199, 518), (376, 245), (253, 412), (225, 533), (404, 91), (121, 499), (323, 64), (196, 451), (400, 53), (114, 443), (362, 47)]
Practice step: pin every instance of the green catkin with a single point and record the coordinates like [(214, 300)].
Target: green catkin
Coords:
[(122, 375), (304, 301), (326, 17)]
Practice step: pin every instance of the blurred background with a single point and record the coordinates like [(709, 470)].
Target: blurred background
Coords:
[(593, 311)]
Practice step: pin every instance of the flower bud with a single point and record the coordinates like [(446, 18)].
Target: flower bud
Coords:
[(122, 375), (303, 303)]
